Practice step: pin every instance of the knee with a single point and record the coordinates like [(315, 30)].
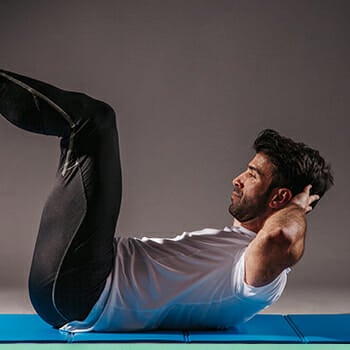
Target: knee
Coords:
[(100, 113), (105, 115)]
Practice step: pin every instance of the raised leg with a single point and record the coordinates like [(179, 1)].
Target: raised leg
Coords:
[(74, 250)]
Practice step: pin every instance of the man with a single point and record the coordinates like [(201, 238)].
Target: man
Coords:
[(84, 279)]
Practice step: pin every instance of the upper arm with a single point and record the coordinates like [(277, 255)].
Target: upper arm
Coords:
[(279, 245)]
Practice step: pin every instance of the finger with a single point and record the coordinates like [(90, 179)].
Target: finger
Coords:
[(307, 189), (308, 209), (313, 198)]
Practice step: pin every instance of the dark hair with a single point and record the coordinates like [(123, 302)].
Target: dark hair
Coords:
[(296, 164)]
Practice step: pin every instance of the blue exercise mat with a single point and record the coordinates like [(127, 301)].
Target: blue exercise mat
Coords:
[(260, 329), (322, 328), (31, 328), (134, 337), (28, 328)]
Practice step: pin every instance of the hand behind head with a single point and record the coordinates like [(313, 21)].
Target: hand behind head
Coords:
[(304, 200)]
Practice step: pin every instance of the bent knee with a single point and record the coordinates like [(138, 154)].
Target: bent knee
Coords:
[(106, 115), (99, 112)]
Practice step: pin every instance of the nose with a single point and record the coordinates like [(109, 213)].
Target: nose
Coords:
[(238, 181)]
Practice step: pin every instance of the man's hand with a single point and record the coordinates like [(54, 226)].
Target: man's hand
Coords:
[(304, 200)]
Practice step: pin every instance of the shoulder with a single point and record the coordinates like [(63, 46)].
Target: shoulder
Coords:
[(186, 234)]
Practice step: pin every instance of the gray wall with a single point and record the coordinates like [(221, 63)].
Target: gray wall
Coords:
[(193, 83)]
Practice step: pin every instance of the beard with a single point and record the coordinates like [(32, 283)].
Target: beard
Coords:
[(247, 208)]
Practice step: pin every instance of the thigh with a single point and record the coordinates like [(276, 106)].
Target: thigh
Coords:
[(74, 249)]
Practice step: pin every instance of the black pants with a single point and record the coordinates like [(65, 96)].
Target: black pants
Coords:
[(74, 249)]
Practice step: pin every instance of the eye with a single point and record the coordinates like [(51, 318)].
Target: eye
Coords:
[(251, 174)]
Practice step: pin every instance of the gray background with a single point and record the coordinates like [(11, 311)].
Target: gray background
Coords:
[(193, 82)]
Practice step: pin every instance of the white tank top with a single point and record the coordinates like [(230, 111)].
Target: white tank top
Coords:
[(192, 281)]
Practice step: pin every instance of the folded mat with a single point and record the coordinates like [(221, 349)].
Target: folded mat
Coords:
[(18, 328)]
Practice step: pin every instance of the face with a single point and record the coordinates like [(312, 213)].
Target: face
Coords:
[(251, 193)]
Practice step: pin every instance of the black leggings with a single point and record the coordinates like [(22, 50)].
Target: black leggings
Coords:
[(74, 249)]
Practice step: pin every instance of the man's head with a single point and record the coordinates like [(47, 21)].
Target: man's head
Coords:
[(280, 169)]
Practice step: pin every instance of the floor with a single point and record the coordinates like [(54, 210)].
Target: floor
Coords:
[(294, 300)]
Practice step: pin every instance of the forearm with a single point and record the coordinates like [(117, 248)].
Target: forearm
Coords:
[(288, 223)]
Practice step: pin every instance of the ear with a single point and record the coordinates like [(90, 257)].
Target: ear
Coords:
[(280, 197)]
